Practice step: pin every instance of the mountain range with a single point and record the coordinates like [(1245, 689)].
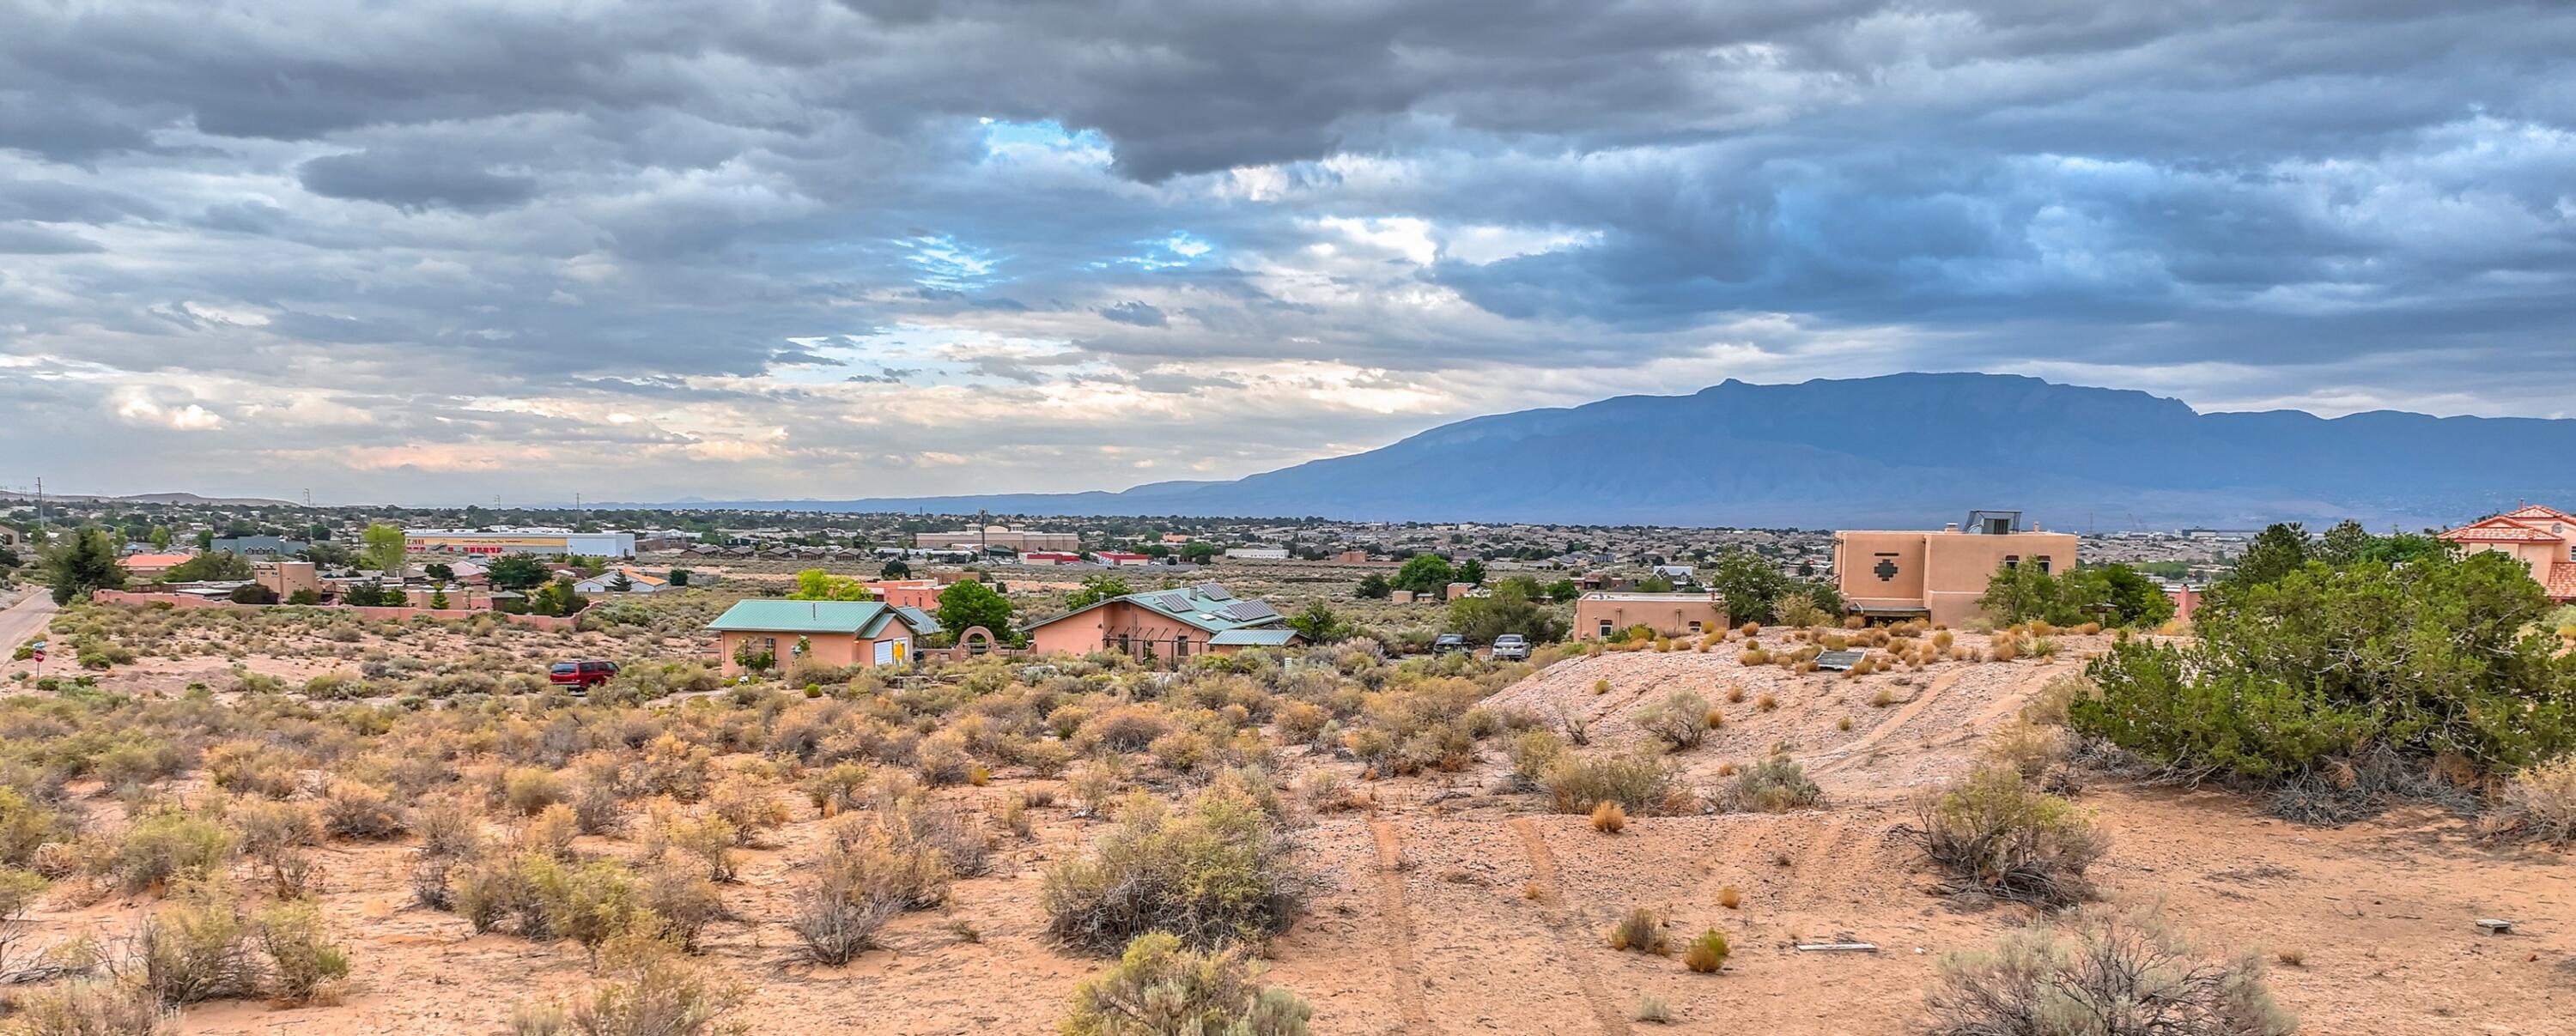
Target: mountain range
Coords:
[(1904, 450)]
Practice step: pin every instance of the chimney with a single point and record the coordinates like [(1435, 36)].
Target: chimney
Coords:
[(1951, 527)]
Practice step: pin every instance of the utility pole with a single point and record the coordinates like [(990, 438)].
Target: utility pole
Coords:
[(983, 548), (40, 507)]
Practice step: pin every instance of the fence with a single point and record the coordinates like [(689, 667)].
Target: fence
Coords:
[(550, 623)]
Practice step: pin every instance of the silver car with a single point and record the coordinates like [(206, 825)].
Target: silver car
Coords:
[(1511, 647)]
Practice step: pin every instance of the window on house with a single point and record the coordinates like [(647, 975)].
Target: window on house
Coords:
[(2012, 561), (1694, 626), (1605, 628), (2043, 566)]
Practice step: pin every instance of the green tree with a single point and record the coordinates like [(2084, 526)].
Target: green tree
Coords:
[(1564, 590), (2443, 654), (327, 554), (205, 540), (252, 593), (439, 570), (895, 569), (970, 603), (383, 548), (85, 561), (2278, 550), (160, 537), (219, 567), (1319, 624), (1750, 584), (1374, 587), (518, 572), (679, 577), (306, 596), (2345, 543), (1655, 584), (815, 584), (557, 598), (1472, 570), (1198, 553), (1505, 610), (438, 596), (369, 594), (1425, 574), (1096, 589)]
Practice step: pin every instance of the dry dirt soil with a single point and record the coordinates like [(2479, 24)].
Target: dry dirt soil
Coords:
[(1457, 906)]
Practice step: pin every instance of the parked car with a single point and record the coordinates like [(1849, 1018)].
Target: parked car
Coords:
[(1511, 647), (582, 675), (1448, 642)]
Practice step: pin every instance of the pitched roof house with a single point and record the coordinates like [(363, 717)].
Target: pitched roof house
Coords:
[(1165, 624), (822, 633), (2541, 537)]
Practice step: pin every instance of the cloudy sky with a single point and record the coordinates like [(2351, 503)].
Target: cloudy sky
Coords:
[(442, 251)]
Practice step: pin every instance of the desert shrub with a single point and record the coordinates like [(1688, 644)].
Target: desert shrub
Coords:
[(197, 948), (2540, 803), (1776, 784), (169, 845), (1995, 835), (2111, 975), (2436, 656), (536, 1018), (302, 959), (836, 789), (1638, 782), (448, 829), (93, 1007), (1680, 720), (653, 991), (24, 826), (680, 901), (528, 790), (2029, 749), (852, 892), (749, 804), (1652, 1009), (1706, 952), (1213, 872), (1640, 930), (1159, 986), (708, 838), (352, 809), (550, 832), (1126, 728), (273, 837), (1531, 753)]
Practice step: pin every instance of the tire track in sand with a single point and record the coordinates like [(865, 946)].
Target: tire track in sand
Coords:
[(1605, 1011), (1860, 749), (1393, 905)]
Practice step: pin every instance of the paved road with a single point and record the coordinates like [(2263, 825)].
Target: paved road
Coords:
[(25, 619)]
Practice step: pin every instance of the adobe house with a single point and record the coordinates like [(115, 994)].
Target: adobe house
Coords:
[(2542, 538), (1601, 614), (823, 633), (1938, 576), (1165, 625)]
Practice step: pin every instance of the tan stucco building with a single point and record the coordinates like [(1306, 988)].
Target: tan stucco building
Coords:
[(1938, 576), (1604, 613), (1165, 625), (2540, 537), (817, 633)]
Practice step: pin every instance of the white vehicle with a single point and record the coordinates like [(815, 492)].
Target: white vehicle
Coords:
[(1511, 647)]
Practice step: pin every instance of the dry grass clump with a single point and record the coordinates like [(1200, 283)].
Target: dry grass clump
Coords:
[(1213, 872), (2111, 974), (1729, 897), (1609, 819), (1999, 837), (170, 845), (653, 991), (1581, 781), (93, 1007), (360, 811), (1706, 952), (1767, 702), (2540, 803), (1162, 986), (853, 892), (1641, 930)]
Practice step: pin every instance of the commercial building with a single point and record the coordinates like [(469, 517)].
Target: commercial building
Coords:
[(1257, 553), (1020, 540), (1123, 559), (1049, 557), (1603, 614), (2542, 538), (821, 633), (1938, 576), (1165, 625), (524, 540)]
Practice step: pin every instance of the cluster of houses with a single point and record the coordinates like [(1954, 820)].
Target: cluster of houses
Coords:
[(1155, 626)]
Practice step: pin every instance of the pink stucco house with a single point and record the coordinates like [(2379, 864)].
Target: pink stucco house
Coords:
[(2541, 537)]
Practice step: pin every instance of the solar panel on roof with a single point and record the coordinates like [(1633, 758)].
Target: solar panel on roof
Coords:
[(1249, 611), (1213, 592), (1173, 600)]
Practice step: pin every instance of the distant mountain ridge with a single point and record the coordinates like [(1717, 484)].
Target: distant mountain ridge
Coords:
[(1905, 450)]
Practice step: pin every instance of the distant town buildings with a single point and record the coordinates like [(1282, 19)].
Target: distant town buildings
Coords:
[(520, 540), (1018, 540), (1939, 576), (2542, 538)]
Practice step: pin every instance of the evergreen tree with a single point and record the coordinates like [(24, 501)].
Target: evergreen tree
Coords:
[(86, 562)]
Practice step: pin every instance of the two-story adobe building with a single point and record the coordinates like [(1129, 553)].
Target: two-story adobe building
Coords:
[(1938, 576)]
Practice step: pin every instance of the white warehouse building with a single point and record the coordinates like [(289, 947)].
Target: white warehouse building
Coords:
[(519, 540)]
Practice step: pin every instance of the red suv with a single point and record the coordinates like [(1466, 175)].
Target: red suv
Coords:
[(581, 676)]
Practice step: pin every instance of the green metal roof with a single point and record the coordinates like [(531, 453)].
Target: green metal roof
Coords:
[(772, 616)]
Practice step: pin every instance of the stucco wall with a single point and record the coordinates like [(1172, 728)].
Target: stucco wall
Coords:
[(1942, 572), (1669, 617)]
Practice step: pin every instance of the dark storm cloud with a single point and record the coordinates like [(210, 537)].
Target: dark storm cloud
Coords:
[(1440, 206)]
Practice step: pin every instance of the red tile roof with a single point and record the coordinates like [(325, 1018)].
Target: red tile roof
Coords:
[(2547, 514), (2561, 584), (2502, 530), (155, 560)]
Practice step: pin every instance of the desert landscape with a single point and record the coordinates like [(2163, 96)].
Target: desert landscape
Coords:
[(479, 853)]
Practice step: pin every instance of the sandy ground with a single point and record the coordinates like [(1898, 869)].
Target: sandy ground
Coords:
[(1458, 908)]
